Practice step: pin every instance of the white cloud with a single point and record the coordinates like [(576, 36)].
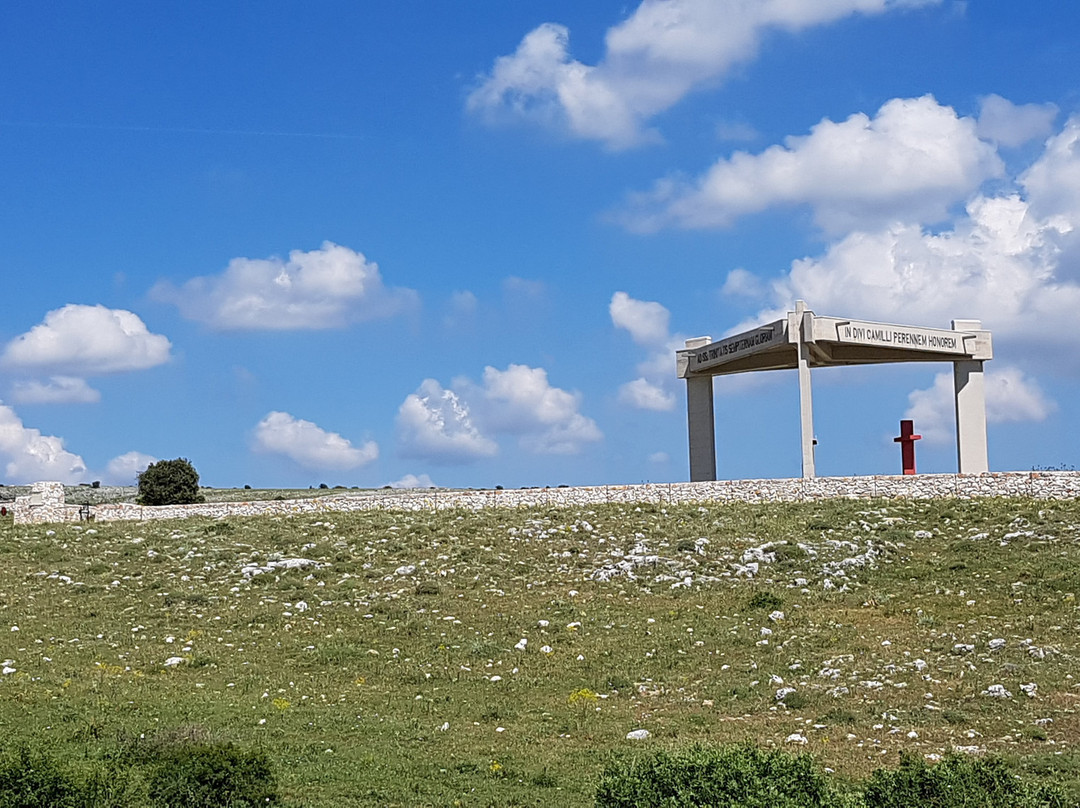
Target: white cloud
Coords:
[(325, 288), (435, 424), (1008, 124), (125, 469), (455, 426), (30, 456), (659, 458), (311, 447), (1012, 261), (1053, 181), (741, 283), (1010, 397), (998, 264), (910, 162), (664, 50), (87, 340), (647, 321), (932, 410), (644, 395), (57, 390), (521, 401), (413, 481)]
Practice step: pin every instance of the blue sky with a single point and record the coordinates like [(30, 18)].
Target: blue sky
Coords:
[(457, 243)]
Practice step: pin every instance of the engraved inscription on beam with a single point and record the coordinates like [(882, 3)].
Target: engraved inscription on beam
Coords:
[(899, 336), (726, 350)]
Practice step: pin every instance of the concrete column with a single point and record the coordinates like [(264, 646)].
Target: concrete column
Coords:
[(971, 456), (700, 422), (803, 325)]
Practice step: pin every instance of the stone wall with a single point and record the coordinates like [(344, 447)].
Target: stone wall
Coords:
[(44, 504), (46, 501)]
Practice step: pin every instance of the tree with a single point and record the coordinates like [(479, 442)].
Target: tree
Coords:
[(169, 482)]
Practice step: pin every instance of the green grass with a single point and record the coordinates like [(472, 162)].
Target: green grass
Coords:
[(346, 671)]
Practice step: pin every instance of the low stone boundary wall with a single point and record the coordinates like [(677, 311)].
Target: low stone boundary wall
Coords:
[(46, 504)]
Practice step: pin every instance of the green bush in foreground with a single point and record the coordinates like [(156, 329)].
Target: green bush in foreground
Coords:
[(31, 778), (169, 482), (181, 775), (212, 775), (956, 782), (741, 776), (748, 777)]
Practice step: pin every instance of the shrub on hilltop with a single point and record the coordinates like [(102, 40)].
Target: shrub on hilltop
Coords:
[(169, 482)]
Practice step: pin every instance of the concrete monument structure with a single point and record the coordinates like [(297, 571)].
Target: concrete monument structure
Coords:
[(803, 340)]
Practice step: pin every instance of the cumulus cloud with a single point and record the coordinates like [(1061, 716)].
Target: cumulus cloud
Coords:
[(125, 469), (741, 283), (436, 424), (1052, 183), (310, 446), (999, 264), (459, 425), (1008, 124), (664, 50), (413, 481), (647, 321), (521, 401), (644, 395), (325, 288), (57, 390), (86, 341), (30, 456), (1011, 396), (910, 162), (1011, 260), (997, 260)]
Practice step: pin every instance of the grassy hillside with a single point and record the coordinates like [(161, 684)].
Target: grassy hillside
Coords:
[(500, 657)]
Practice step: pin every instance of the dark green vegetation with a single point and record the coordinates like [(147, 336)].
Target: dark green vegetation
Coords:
[(740, 776), (208, 775), (957, 782), (166, 773), (169, 482), (377, 658), (744, 776)]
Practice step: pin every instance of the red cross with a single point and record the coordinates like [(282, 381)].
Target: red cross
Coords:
[(907, 445)]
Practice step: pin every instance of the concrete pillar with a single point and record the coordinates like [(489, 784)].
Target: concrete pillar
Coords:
[(803, 325), (971, 455), (700, 422)]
